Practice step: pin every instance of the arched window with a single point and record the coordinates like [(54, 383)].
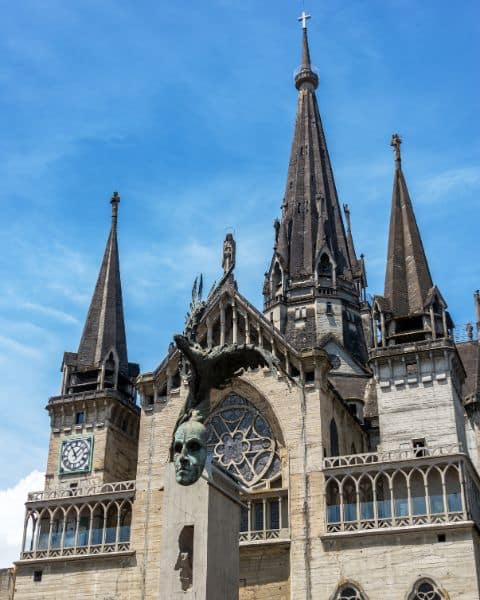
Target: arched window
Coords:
[(125, 521), (426, 589), (400, 494), (349, 591), (417, 492), (111, 523), (453, 489), (333, 502), (110, 362), (435, 491), (365, 489), (324, 266), (276, 279), (349, 492), (383, 498), (242, 441), (334, 447), (83, 525), (70, 527)]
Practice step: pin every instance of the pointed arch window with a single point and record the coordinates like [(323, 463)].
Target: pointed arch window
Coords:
[(277, 279), (334, 446), (349, 591), (325, 268), (426, 589)]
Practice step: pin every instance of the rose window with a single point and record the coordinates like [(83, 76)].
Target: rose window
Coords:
[(241, 441)]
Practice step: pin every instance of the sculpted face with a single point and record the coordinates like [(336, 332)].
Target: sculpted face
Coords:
[(189, 451)]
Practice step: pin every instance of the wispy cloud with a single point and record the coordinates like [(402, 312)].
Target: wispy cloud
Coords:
[(10, 345), (439, 186), (50, 312)]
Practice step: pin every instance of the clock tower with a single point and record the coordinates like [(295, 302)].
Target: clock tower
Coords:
[(95, 420)]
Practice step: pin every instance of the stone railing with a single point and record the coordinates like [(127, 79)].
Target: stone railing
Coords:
[(84, 489), (265, 518), (85, 520), (399, 454), (75, 551), (371, 492), (264, 535)]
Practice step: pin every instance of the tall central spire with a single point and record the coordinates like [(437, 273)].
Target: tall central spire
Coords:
[(312, 255)]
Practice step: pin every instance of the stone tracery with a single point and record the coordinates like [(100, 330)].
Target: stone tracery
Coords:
[(426, 589), (349, 592), (241, 440)]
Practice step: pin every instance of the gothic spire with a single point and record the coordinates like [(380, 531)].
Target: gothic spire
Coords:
[(407, 280), (104, 330), (312, 290), (311, 219)]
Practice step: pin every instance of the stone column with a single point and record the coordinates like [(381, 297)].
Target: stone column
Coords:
[(199, 557)]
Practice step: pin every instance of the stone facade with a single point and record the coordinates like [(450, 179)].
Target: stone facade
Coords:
[(357, 459)]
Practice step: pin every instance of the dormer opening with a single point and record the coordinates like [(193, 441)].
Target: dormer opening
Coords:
[(325, 267), (110, 364), (277, 281)]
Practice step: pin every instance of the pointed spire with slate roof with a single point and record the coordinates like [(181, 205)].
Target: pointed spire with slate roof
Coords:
[(407, 280), (104, 330), (412, 306), (313, 259), (311, 220)]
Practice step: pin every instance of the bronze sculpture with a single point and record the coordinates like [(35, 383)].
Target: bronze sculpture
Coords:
[(208, 368)]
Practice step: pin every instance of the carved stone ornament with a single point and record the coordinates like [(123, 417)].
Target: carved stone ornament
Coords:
[(208, 368)]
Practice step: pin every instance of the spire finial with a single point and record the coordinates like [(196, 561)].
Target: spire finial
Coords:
[(305, 74), (346, 210), (304, 18), (395, 143), (115, 201)]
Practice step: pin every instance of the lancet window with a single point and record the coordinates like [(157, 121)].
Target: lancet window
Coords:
[(334, 444), (426, 589), (325, 266)]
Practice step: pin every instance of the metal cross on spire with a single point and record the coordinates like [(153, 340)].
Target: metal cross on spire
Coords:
[(304, 18)]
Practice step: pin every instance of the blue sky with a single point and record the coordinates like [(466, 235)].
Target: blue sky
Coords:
[(188, 110)]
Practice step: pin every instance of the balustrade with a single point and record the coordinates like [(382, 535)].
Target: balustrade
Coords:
[(59, 524), (429, 489), (265, 518)]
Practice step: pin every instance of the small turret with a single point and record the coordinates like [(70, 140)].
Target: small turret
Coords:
[(412, 307)]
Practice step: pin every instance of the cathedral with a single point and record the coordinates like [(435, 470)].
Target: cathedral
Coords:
[(358, 456)]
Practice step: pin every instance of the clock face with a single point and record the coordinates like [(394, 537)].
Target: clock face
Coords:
[(75, 455)]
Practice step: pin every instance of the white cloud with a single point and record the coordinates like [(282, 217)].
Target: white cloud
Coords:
[(12, 507), (448, 182), (50, 312), (13, 346)]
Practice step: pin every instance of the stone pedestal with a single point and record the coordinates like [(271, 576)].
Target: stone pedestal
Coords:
[(200, 552)]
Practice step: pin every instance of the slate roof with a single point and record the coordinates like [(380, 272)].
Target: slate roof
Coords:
[(105, 328), (311, 217), (407, 279), (349, 386), (470, 355)]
